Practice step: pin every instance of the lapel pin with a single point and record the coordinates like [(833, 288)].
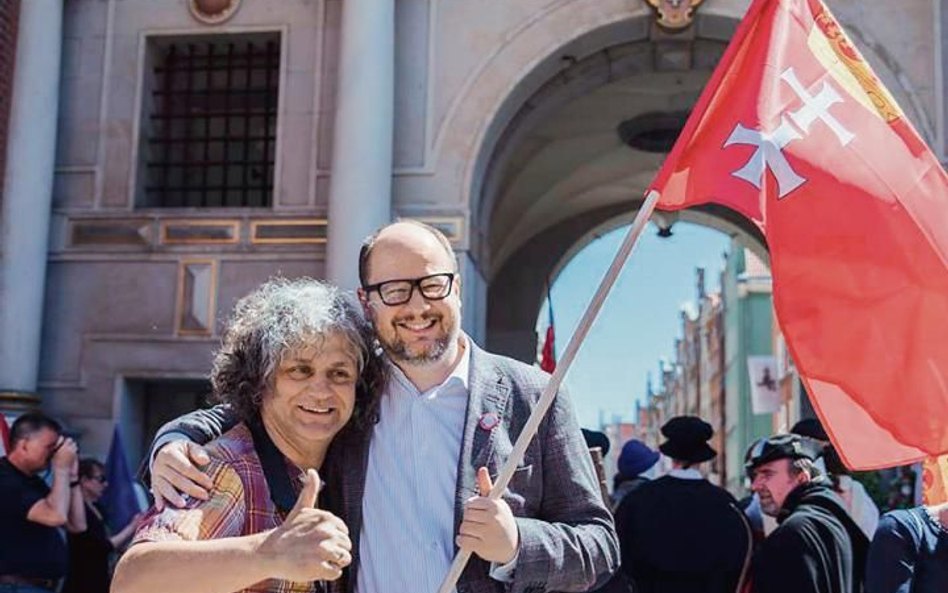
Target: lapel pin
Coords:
[(488, 421)]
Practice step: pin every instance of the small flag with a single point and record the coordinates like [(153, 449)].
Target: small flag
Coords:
[(119, 502), (4, 435), (765, 397), (548, 357)]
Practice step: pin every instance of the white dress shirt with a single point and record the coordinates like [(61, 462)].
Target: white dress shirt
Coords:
[(406, 542)]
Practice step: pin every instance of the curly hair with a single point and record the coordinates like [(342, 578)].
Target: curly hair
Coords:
[(286, 315)]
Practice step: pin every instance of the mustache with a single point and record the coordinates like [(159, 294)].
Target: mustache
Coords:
[(426, 316)]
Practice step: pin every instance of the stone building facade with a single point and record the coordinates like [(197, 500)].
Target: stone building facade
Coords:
[(165, 156)]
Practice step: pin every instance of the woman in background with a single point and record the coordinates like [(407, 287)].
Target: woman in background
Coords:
[(90, 551)]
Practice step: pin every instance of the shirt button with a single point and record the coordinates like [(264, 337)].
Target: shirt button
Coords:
[(433, 546)]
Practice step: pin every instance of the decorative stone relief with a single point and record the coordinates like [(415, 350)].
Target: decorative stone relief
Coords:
[(213, 12), (197, 295), (675, 14)]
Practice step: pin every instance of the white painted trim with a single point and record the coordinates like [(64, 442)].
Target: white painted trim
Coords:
[(319, 72), (426, 168), (136, 123), (284, 34), (941, 117), (143, 36), (105, 90)]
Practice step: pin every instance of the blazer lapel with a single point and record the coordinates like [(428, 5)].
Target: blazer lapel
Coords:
[(353, 453), (487, 400)]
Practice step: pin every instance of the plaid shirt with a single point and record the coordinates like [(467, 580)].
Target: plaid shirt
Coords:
[(239, 504)]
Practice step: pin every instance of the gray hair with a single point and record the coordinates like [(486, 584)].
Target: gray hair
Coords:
[(286, 315), (804, 466)]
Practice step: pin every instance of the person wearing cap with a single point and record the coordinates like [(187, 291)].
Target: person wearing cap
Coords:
[(817, 546), (680, 533), (857, 501), (635, 459)]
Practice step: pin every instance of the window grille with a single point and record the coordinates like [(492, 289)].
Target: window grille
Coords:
[(212, 127)]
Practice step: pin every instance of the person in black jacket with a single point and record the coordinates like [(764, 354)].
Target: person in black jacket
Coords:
[(817, 547), (680, 533)]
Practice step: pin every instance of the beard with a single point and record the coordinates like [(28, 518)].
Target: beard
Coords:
[(768, 506), (400, 352)]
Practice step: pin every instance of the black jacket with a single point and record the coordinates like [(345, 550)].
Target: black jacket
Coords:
[(682, 536), (817, 548)]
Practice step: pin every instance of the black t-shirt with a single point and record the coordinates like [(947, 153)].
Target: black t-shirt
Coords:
[(26, 548), (89, 557)]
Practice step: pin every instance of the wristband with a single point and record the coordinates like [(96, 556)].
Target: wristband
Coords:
[(73, 484)]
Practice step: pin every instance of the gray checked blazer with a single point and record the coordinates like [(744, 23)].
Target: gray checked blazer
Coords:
[(567, 537)]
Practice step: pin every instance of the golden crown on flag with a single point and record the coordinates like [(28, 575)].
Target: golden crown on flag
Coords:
[(675, 14)]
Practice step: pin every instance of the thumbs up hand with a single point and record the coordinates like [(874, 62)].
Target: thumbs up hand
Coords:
[(488, 529), (311, 544)]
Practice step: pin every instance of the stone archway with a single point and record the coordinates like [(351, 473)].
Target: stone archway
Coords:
[(553, 169), (532, 203)]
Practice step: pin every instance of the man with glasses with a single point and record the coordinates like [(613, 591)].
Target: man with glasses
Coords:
[(33, 555), (415, 486)]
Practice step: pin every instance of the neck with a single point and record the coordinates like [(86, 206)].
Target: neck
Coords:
[(303, 455), (426, 376), (20, 463)]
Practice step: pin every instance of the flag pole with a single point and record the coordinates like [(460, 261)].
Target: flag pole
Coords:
[(549, 392)]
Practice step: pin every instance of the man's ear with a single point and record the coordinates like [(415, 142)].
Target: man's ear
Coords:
[(364, 301)]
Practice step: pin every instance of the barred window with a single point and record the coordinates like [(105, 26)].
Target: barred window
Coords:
[(210, 122)]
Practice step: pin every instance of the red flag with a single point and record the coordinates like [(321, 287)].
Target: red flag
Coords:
[(548, 356), (796, 133), (4, 435)]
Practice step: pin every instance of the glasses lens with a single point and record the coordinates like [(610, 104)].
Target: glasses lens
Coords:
[(435, 287), (396, 292)]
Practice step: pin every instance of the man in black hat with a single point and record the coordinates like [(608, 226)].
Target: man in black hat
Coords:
[(817, 547), (680, 533)]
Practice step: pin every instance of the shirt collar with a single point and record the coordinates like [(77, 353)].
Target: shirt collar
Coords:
[(686, 474)]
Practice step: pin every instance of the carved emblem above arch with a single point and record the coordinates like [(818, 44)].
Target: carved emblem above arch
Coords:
[(213, 12), (675, 15)]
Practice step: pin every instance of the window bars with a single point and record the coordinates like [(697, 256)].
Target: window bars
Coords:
[(212, 127)]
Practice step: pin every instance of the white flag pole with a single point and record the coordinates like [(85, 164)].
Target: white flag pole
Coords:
[(549, 392)]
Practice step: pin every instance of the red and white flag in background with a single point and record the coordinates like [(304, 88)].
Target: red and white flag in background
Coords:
[(796, 133), (4, 435)]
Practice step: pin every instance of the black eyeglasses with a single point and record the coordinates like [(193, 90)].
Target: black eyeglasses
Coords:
[(100, 479), (398, 292)]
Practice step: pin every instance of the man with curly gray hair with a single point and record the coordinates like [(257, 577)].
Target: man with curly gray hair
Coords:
[(295, 368)]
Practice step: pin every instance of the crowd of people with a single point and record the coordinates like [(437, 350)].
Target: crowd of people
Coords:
[(355, 446), (806, 527)]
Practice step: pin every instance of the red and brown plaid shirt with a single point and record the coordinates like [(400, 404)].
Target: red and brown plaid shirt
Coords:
[(239, 504)]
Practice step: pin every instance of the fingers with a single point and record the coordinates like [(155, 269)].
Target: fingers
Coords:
[(330, 572), (198, 454), (307, 497), (484, 483), (469, 543), (189, 462), (164, 492), (175, 468), (336, 553), (185, 485)]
